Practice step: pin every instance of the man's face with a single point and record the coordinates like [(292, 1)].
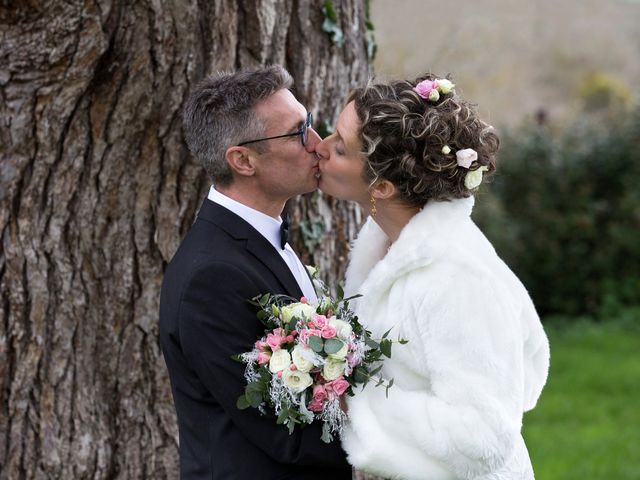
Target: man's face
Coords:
[(286, 168)]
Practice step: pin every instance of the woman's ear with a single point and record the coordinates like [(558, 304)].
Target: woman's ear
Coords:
[(383, 190), (240, 161)]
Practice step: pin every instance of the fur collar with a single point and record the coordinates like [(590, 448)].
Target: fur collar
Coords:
[(373, 269)]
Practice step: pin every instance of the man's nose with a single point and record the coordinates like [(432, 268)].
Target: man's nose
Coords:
[(313, 139)]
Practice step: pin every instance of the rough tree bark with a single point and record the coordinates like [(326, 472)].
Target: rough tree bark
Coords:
[(96, 191)]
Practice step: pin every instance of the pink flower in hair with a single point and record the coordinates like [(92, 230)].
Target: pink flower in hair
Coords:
[(425, 87)]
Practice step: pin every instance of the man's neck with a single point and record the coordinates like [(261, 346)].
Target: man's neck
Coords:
[(253, 199)]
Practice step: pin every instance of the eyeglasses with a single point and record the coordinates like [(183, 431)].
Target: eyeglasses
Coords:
[(303, 131)]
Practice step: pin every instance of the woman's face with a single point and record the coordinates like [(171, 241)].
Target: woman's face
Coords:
[(341, 162)]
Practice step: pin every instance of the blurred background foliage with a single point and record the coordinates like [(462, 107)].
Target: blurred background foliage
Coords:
[(564, 207)]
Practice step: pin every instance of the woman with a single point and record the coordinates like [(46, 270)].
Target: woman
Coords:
[(412, 153)]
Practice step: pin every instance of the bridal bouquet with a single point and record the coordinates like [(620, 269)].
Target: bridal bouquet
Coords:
[(311, 355)]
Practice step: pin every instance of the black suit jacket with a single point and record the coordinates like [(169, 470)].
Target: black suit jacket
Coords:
[(205, 318)]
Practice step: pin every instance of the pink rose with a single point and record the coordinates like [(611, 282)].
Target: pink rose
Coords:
[(315, 406), (263, 358), (328, 331), (424, 88), (260, 345), (310, 332), (289, 338), (319, 320), (319, 393), (304, 300), (274, 340), (339, 385)]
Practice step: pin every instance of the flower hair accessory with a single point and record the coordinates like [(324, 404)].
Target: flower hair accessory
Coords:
[(465, 158), (431, 90)]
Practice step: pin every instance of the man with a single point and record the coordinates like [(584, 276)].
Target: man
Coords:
[(256, 142)]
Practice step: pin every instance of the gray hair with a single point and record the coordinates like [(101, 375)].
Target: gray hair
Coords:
[(219, 114)]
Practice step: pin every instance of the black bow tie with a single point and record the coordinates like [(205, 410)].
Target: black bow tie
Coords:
[(284, 230)]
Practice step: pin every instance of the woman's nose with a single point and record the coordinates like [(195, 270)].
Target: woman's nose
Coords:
[(321, 148)]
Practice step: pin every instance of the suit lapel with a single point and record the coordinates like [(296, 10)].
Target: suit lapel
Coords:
[(263, 251), (258, 246)]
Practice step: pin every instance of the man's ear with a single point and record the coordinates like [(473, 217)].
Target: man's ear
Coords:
[(240, 160), (383, 190)]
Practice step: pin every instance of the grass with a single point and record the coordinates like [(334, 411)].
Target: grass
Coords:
[(587, 423)]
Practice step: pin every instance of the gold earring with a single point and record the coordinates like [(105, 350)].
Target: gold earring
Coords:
[(374, 210)]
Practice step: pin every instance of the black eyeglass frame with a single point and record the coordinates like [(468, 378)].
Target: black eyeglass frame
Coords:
[(303, 132)]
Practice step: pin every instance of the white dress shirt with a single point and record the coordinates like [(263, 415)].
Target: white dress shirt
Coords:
[(269, 228)]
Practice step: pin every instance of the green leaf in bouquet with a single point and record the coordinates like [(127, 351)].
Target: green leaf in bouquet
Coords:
[(282, 417), (340, 292), (326, 434), (261, 315), (352, 297), (316, 344), (237, 358), (370, 342), (375, 371), (242, 402), (254, 398), (385, 348), (264, 299), (333, 345), (386, 393), (360, 375), (292, 324), (386, 334)]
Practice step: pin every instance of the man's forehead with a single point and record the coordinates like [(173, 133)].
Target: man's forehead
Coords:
[(283, 101)]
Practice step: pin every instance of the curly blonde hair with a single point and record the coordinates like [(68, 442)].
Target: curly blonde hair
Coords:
[(403, 136)]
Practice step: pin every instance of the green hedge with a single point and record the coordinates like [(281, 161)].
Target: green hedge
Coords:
[(563, 210)]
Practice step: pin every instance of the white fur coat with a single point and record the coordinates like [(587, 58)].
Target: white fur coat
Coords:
[(477, 356)]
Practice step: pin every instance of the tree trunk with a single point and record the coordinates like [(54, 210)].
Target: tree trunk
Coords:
[(96, 190)]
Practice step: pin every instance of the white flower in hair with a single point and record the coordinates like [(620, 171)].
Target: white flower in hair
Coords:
[(466, 157), (473, 179)]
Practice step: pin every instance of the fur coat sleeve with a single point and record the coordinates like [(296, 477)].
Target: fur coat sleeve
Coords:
[(477, 356)]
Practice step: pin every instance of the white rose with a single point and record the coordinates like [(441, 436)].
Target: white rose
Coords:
[(302, 358), (434, 96), (343, 329), (340, 354), (474, 178), (445, 86), (279, 360), (332, 369), (296, 381), (311, 269), (299, 310)]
